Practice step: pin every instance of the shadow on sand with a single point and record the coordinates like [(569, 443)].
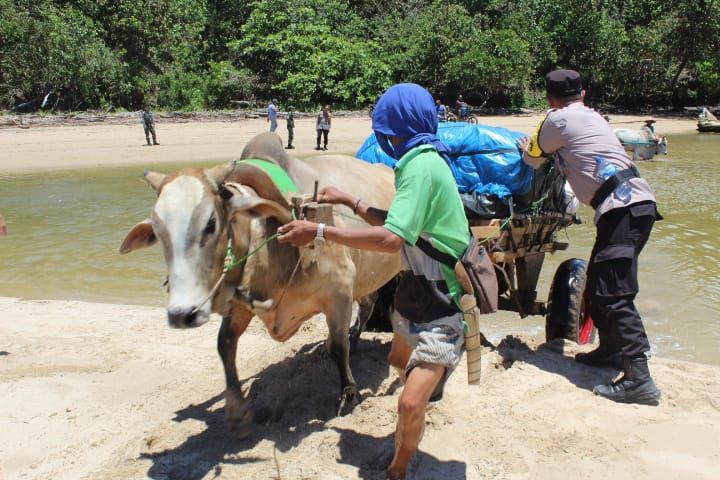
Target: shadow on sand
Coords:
[(550, 358), (290, 400), (371, 455)]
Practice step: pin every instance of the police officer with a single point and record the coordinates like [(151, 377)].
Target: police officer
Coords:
[(602, 175)]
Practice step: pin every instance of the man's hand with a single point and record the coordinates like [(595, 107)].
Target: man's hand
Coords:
[(336, 196), (523, 144), (297, 233)]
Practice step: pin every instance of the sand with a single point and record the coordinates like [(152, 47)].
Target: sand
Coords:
[(110, 391), (60, 147), (97, 391)]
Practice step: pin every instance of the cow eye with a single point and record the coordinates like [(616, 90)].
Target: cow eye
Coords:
[(210, 227)]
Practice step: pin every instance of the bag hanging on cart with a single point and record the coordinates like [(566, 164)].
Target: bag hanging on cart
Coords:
[(478, 267)]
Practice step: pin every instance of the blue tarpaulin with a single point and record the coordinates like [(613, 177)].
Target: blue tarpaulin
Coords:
[(484, 159)]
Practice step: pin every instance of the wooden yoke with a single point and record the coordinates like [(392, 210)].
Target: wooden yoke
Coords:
[(306, 207)]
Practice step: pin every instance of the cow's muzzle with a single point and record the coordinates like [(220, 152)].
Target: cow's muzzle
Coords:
[(186, 318)]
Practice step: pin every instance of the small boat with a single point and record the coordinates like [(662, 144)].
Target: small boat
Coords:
[(707, 122)]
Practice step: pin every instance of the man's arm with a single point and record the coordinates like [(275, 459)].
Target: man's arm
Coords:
[(545, 141), (301, 232), (372, 216)]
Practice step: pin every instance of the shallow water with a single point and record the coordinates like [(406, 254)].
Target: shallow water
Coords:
[(65, 229)]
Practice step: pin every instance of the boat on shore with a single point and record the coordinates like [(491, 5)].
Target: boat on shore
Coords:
[(707, 122)]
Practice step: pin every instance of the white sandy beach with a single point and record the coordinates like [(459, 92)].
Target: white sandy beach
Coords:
[(110, 391)]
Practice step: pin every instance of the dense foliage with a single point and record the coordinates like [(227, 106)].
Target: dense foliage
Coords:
[(203, 54)]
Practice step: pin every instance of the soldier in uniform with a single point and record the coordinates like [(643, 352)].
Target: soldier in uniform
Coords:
[(149, 126), (602, 175), (290, 127)]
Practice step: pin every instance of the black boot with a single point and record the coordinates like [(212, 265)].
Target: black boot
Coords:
[(606, 355), (601, 357), (635, 386)]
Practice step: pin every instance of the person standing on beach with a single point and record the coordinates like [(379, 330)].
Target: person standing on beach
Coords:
[(441, 111), (3, 226), (602, 175), (322, 126), (290, 128), (149, 126), (272, 115), (427, 322)]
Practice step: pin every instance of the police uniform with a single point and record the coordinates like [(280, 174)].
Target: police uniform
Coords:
[(602, 175)]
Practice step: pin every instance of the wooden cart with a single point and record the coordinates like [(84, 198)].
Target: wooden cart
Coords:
[(518, 246)]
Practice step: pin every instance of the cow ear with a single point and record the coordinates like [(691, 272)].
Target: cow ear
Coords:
[(217, 175), (139, 236), (155, 179)]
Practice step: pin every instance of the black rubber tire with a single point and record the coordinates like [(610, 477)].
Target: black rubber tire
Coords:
[(472, 120), (565, 301), (451, 117)]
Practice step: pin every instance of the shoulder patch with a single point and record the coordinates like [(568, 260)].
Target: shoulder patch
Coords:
[(534, 149)]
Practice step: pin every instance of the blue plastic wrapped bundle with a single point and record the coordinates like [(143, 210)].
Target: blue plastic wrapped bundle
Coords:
[(484, 159)]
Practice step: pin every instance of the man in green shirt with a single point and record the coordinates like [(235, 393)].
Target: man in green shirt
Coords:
[(427, 211)]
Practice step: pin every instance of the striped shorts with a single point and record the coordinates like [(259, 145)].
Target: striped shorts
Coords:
[(439, 341)]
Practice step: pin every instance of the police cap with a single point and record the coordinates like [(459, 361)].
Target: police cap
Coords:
[(563, 83)]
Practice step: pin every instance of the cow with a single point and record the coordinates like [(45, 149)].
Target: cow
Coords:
[(643, 143), (199, 213)]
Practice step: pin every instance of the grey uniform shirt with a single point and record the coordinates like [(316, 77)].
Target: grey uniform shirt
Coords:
[(581, 138)]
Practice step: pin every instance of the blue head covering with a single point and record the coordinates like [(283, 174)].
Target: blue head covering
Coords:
[(407, 110)]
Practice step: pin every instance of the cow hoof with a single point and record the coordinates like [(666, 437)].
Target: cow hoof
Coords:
[(238, 414), (348, 400)]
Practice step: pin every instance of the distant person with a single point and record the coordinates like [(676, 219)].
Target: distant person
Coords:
[(272, 114), (461, 107), (3, 226), (322, 125), (602, 175), (290, 127), (149, 126), (649, 128), (441, 111)]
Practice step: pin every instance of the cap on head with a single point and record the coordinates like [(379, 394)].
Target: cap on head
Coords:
[(649, 120), (563, 83)]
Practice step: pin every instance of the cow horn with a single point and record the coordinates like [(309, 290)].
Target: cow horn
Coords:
[(218, 174), (155, 179)]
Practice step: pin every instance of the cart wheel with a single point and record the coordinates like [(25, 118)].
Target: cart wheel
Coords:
[(451, 117), (566, 317), (472, 119)]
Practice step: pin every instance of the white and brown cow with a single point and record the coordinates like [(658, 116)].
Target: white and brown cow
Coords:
[(198, 210)]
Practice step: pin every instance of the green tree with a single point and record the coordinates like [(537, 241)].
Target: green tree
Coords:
[(310, 52)]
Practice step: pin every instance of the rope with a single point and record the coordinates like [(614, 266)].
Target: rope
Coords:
[(500, 229), (236, 262), (231, 263)]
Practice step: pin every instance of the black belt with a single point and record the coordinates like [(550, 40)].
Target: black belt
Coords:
[(609, 186)]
